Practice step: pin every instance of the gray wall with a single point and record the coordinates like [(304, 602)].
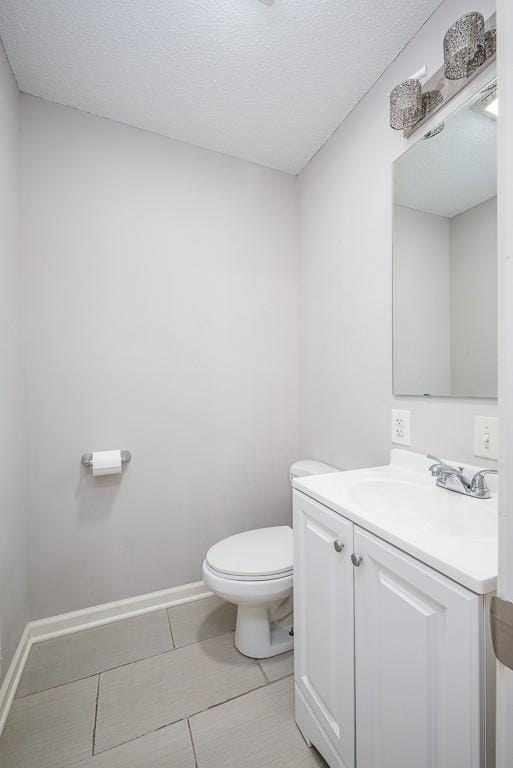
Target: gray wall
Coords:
[(13, 562), (421, 344), (474, 299), (346, 279), (445, 301), (160, 292)]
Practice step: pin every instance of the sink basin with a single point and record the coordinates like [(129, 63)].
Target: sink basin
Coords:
[(401, 503), (427, 508)]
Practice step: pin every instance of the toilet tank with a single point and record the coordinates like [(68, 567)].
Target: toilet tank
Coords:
[(307, 467)]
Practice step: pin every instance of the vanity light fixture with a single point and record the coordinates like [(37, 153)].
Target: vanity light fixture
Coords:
[(465, 46), (406, 104), (469, 45)]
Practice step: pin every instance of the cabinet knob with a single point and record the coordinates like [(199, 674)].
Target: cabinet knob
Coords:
[(338, 545), (356, 560)]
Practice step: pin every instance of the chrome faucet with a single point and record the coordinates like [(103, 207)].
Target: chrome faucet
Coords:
[(453, 479)]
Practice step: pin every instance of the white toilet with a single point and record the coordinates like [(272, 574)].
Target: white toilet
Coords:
[(254, 570)]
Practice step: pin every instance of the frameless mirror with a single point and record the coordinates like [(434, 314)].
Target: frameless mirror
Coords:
[(445, 257)]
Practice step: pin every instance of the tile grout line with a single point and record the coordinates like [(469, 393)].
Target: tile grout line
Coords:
[(193, 714), (125, 664), (268, 679), (93, 674), (139, 736), (95, 715), (192, 743), (231, 698), (170, 629), (203, 640), (97, 671)]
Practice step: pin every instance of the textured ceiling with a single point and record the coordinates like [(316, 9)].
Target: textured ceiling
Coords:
[(265, 82), (454, 170)]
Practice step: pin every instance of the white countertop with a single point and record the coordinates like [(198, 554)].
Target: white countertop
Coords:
[(400, 503)]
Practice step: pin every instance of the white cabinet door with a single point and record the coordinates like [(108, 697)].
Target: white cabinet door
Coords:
[(417, 663), (324, 622)]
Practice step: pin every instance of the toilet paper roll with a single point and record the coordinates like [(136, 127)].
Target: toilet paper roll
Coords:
[(106, 463)]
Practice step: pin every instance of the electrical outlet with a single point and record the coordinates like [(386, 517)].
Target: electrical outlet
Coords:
[(401, 427), (486, 437)]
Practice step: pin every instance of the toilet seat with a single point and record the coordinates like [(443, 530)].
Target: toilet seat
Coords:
[(259, 555), (235, 577), (247, 590)]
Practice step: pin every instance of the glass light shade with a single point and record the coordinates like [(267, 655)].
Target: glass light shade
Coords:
[(464, 46), (491, 42), (406, 105)]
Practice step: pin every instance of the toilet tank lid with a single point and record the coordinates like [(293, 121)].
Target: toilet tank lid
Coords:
[(307, 467)]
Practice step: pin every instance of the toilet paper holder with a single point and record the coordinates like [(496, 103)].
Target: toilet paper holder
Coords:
[(87, 458)]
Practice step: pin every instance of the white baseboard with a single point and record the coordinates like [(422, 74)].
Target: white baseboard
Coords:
[(13, 676), (67, 623)]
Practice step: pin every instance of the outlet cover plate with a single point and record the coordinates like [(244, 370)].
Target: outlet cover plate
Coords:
[(401, 427), (486, 437)]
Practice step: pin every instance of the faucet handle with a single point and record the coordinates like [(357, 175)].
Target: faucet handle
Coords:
[(440, 466), (437, 466), (478, 484)]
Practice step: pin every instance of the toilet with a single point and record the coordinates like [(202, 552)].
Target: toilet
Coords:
[(254, 570)]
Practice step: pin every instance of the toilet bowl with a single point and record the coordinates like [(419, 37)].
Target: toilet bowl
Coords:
[(254, 570)]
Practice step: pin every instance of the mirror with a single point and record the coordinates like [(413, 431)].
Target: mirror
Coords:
[(445, 257)]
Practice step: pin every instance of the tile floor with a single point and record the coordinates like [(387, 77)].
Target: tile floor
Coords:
[(163, 690)]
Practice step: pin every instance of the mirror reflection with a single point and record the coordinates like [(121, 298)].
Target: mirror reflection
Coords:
[(445, 257)]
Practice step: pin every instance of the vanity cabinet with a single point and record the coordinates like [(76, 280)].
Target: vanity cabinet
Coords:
[(389, 653)]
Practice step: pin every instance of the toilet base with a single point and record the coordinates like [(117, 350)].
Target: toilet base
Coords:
[(258, 637)]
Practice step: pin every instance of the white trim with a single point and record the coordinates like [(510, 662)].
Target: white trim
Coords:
[(87, 618), (13, 676), (67, 623), (505, 254)]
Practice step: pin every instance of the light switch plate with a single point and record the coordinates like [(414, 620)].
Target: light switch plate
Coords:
[(486, 437), (401, 427)]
